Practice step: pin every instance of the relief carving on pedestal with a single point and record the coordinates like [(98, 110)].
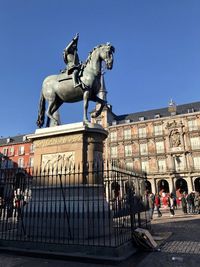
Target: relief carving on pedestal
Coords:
[(58, 161)]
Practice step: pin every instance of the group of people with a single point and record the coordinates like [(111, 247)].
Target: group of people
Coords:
[(190, 203)]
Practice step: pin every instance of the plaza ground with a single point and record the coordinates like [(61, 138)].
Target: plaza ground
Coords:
[(178, 237)]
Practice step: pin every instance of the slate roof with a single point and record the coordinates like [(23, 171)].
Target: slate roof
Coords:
[(163, 112), (13, 140)]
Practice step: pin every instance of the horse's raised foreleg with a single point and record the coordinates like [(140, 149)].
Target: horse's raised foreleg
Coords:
[(103, 104), (85, 105)]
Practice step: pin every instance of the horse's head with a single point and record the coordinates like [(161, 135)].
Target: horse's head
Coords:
[(106, 54)]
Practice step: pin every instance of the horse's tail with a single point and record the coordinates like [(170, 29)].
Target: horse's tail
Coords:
[(41, 111)]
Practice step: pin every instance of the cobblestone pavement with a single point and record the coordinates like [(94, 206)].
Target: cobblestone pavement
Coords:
[(180, 249)]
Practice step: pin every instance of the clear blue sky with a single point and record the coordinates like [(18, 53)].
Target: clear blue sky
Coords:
[(157, 53)]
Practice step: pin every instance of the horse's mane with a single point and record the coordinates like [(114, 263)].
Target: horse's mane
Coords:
[(98, 46), (91, 52)]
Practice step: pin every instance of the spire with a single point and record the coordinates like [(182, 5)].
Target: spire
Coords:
[(103, 92), (172, 107)]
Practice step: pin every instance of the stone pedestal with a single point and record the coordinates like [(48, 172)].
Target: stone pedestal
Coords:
[(68, 203), (68, 146), (73, 213)]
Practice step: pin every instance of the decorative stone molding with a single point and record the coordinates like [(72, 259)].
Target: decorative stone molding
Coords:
[(58, 141)]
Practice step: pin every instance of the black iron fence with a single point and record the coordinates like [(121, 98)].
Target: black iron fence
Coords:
[(82, 205)]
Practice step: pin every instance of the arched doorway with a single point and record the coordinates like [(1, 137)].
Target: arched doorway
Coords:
[(181, 185), (163, 186), (197, 184), (129, 185), (148, 187)]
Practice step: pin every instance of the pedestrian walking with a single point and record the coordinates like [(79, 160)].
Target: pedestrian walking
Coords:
[(184, 203), (190, 202), (171, 205), (165, 200), (157, 204), (151, 200), (196, 202)]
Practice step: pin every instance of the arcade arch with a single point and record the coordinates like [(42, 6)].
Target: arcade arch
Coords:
[(197, 184), (181, 185), (148, 186), (163, 186)]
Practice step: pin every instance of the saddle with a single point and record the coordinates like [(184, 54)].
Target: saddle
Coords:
[(64, 76)]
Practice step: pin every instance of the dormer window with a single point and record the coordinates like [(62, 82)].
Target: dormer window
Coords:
[(157, 116), (141, 118)]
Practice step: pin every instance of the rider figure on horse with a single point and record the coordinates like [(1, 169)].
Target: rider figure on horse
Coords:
[(71, 59)]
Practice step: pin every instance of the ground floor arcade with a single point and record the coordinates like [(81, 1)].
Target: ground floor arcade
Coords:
[(173, 183)]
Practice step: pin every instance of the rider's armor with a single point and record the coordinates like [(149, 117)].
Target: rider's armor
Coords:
[(71, 59)]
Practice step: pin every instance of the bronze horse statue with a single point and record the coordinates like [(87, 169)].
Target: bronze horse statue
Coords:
[(57, 89)]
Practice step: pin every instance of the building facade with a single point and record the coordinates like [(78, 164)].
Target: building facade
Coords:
[(16, 152), (164, 143)]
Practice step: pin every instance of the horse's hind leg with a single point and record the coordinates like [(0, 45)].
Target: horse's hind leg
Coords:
[(53, 106)]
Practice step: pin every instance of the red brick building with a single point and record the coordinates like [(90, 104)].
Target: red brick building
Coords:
[(16, 152)]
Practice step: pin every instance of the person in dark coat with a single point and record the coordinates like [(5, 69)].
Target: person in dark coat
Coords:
[(184, 203), (157, 204)]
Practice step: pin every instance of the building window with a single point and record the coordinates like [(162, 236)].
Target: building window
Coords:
[(113, 151), (31, 148), (21, 150), (145, 166), (128, 150), (141, 118), (127, 134), (11, 151), (157, 116), (195, 142), (196, 161), (143, 149), (5, 151), (192, 125), (20, 162), (161, 165), (160, 147), (158, 130), (142, 132), (129, 165), (31, 161), (179, 163), (113, 136)]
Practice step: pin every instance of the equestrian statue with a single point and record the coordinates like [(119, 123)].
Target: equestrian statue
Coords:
[(78, 81)]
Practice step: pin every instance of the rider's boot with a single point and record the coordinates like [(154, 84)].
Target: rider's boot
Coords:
[(75, 79)]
